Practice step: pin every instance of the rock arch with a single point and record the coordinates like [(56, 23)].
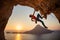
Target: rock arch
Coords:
[(45, 6)]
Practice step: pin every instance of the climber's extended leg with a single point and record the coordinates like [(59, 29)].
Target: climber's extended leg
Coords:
[(42, 22)]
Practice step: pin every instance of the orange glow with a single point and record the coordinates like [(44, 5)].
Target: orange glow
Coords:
[(18, 27), (18, 37)]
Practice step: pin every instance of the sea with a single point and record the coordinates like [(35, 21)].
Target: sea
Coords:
[(17, 36)]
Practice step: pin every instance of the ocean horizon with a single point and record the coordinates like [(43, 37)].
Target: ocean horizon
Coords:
[(49, 36)]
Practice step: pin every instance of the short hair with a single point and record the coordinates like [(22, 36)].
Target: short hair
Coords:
[(30, 15)]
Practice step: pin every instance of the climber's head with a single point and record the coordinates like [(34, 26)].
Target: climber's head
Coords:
[(30, 15)]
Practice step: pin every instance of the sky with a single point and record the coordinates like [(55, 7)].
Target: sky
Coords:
[(20, 20)]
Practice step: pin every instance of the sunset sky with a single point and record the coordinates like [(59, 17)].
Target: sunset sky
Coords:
[(20, 20)]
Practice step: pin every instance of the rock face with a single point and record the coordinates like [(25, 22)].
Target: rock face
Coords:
[(38, 30), (6, 8), (45, 7)]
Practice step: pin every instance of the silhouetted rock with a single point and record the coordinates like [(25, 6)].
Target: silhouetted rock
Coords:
[(2, 36), (38, 30)]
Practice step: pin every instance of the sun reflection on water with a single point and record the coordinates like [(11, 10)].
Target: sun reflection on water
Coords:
[(18, 37)]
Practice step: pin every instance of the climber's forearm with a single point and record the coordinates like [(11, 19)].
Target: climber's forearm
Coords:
[(34, 12)]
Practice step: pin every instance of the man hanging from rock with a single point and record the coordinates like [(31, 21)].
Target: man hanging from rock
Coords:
[(33, 18)]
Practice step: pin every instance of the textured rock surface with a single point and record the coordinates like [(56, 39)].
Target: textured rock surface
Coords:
[(6, 8), (45, 7)]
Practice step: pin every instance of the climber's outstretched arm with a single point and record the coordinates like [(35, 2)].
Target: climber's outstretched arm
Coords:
[(33, 12)]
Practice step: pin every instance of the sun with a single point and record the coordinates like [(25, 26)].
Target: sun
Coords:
[(18, 27)]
